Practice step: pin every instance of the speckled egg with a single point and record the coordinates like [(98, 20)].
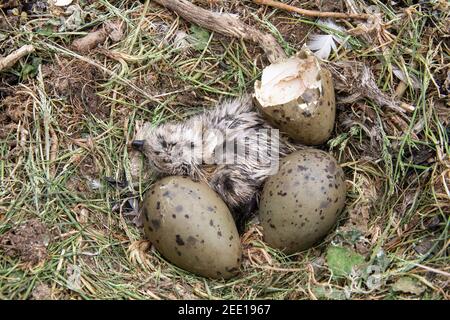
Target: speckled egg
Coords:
[(192, 227), (301, 203)]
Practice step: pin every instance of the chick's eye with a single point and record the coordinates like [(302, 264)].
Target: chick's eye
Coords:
[(164, 144)]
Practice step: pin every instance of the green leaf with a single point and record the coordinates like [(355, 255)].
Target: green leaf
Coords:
[(30, 70), (328, 293), (342, 260), (201, 37), (27, 70), (408, 285), (45, 32)]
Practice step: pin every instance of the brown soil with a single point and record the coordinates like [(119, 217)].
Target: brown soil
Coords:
[(330, 5), (75, 81), (41, 292), (27, 241), (292, 32)]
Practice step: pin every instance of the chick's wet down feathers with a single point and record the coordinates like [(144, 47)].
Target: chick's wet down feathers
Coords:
[(230, 147)]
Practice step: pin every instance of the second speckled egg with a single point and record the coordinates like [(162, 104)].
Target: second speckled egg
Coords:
[(301, 203)]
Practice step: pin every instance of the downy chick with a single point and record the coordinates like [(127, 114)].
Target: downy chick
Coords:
[(230, 147)]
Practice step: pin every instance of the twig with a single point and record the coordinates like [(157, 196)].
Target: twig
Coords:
[(279, 269), (400, 90), (11, 59), (402, 86), (90, 41), (446, 274), (53, 151), (313, 13), (225, 24)]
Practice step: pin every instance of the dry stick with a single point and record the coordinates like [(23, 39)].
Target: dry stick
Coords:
[(402, 86), (225, 24), (313, 13), (11, 59), (90, 41), (53, 151)]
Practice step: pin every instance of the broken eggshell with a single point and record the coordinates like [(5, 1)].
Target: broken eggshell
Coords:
[(191, 226), (297, 97)]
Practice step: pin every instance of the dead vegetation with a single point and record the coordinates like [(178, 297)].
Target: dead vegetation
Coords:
[(68, 113)]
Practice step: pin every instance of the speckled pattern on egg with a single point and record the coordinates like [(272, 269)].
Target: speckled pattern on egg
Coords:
[(301, 203), (302, 125), (192, 227)]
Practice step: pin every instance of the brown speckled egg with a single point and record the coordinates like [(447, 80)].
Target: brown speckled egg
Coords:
[(192, 227), (300, 204)]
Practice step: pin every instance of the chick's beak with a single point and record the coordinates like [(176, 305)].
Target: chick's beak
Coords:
[(138, 145)]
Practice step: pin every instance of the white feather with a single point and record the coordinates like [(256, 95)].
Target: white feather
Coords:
[(322, 44)]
